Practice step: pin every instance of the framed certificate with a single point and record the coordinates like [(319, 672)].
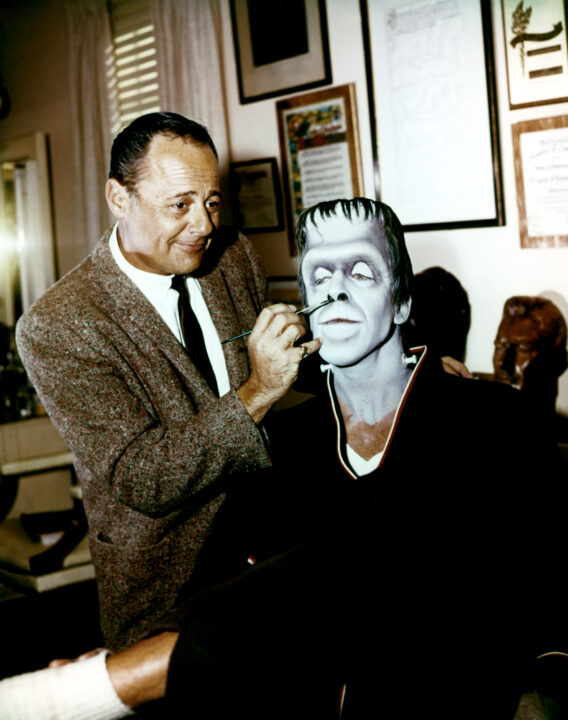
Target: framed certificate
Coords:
[(256, 195), (541, 171), (430, 79)]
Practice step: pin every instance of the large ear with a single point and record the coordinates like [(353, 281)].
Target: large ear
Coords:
[(402, 314), (117, 197)]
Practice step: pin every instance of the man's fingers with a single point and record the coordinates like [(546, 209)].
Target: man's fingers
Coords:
[(309, 347), (60, 662), (269, 313), (455, 367)]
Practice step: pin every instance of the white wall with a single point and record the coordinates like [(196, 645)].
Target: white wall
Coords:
[(489, 262)]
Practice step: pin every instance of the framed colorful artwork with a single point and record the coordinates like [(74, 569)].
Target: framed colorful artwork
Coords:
[(319, 145)]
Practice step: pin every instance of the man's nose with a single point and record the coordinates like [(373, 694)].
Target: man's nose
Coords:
[(200, 221), (337, 288)]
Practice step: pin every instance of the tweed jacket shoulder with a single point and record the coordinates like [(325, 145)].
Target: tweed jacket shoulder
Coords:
[(152, 445)]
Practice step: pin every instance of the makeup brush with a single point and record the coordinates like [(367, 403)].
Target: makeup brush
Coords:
[(303, 311)]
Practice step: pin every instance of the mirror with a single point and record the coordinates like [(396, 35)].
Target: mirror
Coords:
[(27, 257), (26, 238)]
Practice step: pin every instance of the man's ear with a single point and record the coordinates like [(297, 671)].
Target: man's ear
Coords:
[(402, 313), (117, 197)]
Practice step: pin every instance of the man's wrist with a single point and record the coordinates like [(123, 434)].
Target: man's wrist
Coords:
[(139, 673), (254, 400)]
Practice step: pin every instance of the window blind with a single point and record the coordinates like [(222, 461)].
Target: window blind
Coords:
[(132, 66)]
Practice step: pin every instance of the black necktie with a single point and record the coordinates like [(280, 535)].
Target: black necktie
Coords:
[(192, 335)]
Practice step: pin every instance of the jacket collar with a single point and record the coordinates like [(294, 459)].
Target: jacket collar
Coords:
[(420, 353), (136, 314)]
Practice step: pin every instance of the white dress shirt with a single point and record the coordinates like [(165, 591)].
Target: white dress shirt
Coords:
[(157, 288)]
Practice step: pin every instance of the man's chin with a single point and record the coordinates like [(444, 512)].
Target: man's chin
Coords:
[(338, 358), (188, 261)]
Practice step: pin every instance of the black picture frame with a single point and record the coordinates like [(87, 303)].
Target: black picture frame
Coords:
[(433, 210), (307, 37), (256, 195)]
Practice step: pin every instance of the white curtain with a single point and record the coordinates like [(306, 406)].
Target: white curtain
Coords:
[(89, 42), (189, 50)]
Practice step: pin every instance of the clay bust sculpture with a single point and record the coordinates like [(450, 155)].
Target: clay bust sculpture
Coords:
[(530, 349)]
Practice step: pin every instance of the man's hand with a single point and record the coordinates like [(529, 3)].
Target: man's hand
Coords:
[(455, 367), (274, 359)]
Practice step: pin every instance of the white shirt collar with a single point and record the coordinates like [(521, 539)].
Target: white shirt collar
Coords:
[(158, 290), (154, 282)]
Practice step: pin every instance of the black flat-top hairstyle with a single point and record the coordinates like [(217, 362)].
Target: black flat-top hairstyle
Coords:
[(388, 225), (131, 144)]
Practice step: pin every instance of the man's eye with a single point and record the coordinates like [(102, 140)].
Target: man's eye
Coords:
[(181, 205), (361, 271), (321, 275), (213, 205)]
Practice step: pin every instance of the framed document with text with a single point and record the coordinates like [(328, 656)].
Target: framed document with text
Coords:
[(541, 171), (433, 112), (319, 145), (256, 196)]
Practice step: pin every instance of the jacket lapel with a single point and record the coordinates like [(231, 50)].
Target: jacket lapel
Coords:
[(133, 311), (135, 314), (217, 294)]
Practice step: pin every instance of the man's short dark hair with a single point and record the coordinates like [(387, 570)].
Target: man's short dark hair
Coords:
[(441, 314), (389, 227), (131, 144)]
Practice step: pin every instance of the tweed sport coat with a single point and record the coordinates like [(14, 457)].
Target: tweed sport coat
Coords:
[(152, 445)]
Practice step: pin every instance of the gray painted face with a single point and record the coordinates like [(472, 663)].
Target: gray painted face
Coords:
[(348, 260)]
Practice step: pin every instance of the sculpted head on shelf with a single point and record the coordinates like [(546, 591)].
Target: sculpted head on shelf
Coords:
[(530, 347)]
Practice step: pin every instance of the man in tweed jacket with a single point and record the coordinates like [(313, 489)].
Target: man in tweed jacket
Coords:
[(153, 445)]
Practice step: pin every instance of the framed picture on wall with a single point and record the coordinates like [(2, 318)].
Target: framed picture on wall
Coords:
[(433, 112), (281, 46), (541, 155), (536, 51), (319, 146), (256, 195)]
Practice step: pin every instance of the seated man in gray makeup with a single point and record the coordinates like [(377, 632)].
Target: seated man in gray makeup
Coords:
[(392, 549)]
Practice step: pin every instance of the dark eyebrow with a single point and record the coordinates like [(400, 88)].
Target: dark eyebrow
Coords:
[(192, 193), (349, 261)]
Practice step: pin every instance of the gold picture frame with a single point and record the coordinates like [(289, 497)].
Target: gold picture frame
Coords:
[(540, 148), (319, 146)]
